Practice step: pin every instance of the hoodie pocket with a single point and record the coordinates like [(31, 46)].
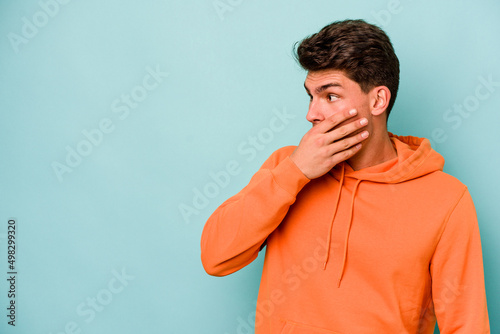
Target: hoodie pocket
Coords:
[(296, 328)]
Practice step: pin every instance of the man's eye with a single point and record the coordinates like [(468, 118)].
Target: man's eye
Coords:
[(332, 97)]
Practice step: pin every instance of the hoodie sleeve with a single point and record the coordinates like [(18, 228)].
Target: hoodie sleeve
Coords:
[(458, 287), (236, 231)]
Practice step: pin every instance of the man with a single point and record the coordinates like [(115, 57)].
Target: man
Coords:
[(364, 232)]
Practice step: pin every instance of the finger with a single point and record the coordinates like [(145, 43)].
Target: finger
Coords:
[(345, 130), (334, 120), (347, 143), (345, 154)]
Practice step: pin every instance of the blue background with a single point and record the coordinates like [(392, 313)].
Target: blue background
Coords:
[(119, 208)]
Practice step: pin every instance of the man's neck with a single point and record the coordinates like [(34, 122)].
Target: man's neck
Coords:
[(376, 150)]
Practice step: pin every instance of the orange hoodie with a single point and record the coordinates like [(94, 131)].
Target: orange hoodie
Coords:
[(385, 249)]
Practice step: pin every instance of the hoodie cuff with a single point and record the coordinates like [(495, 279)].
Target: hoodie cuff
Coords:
[(289, 177)]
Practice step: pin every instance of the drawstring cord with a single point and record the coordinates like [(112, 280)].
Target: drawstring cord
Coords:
[(348, 232), (333, 218), (351, 215)]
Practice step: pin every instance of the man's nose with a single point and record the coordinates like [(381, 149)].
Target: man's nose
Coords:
[(315, 113)]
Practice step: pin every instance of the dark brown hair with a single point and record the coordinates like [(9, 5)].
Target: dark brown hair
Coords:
[(361, 50)]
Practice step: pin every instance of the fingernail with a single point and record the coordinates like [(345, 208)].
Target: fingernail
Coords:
[(363, 121), (353, 112), (364, 134)]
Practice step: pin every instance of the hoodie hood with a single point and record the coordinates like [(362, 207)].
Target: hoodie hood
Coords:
[(415, 158)]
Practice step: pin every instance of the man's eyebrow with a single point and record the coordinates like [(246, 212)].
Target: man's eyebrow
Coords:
[(324, 87)]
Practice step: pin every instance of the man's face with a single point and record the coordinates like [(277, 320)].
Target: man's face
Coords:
[(332, 92)]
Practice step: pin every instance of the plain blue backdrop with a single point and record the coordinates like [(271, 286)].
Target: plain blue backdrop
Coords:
[(117, 116)]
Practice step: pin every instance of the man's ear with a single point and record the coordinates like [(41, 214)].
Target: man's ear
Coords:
[(379, 100)]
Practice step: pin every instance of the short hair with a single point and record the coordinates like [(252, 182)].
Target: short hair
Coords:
[(361, 50)]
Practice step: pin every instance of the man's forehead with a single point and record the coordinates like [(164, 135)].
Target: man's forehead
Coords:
[(324, 79)]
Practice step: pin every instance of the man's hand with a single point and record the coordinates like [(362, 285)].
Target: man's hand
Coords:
[(328, 144)]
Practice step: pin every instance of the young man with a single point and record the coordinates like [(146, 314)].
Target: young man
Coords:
[(364, 232)]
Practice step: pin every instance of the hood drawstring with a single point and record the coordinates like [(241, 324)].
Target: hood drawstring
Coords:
[(348, 231), (329, 240)]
